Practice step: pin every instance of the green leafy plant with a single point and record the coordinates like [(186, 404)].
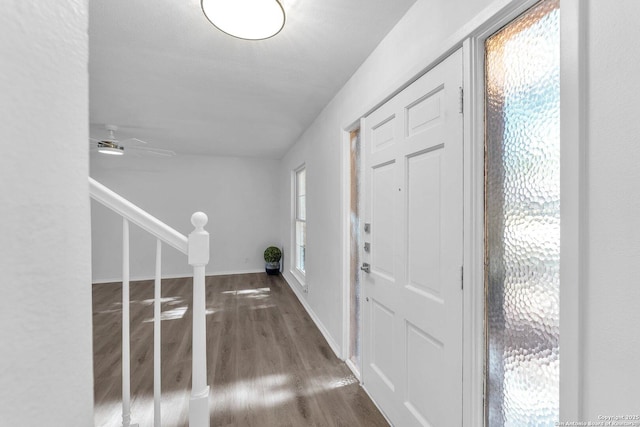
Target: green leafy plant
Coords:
[(272, 254)]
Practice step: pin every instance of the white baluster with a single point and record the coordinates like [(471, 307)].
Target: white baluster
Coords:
[(198, 253), (126, 386), (157, 393)]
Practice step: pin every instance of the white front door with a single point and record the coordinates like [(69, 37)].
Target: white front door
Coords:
[(412, 343)]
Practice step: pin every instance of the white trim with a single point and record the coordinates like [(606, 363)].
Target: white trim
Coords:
[(325, 333), (475, 333), (361, 126), (297, 279), (175, 276), (291, 264), (345, 208), (573, 206), (139, 217), (299, 275), (345, 179), (473, 348), (572, 167)]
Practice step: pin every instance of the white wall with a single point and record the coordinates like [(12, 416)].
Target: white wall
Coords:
[(611, 294), (46, 371), (415, 42), (238, 195)]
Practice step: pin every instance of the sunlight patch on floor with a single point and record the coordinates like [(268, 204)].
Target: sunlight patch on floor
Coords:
[(113, 310), (324, 383), (263, 392), (266, 392), (262, 306), (165, 300), (252, 292), (174, 313), (109, 414)]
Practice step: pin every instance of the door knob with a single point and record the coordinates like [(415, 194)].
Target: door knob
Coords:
[(365, 267)]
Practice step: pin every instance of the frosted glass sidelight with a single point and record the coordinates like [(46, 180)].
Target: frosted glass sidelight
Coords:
[(523, 219), (355, 244)]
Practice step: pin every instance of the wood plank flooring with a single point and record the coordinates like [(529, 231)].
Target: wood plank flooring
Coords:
[(267, 363)]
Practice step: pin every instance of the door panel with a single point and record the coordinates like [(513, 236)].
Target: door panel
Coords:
[(412, 342), (423, 223), (383, 134), (384, 192), (425, 112), (424, 386), (382, 359)]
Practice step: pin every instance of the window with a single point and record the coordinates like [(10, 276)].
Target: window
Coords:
[(300, 223), (523, 219)]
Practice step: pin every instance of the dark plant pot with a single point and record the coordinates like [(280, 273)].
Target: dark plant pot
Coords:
[(272, 268)]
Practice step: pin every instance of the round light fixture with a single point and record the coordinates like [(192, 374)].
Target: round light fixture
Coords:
[(106, 147), (245, 19)]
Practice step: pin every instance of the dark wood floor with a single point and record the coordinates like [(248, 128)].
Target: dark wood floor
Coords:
[(268, 365)]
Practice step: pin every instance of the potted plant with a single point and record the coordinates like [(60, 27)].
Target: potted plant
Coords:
[(272, 256)]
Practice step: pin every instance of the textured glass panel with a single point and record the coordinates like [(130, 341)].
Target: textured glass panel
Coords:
[(301, 216), (301, 207), (301, 239), (355, 245), (523, 219), (301, 191)]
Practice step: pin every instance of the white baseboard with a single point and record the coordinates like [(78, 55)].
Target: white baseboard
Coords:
[(175, 276), (327, 336)]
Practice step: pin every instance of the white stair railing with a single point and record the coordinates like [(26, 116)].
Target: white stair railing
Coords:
[(196, 247)]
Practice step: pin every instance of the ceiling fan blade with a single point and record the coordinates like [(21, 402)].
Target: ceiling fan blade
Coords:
[(159, 152), (133, 141)]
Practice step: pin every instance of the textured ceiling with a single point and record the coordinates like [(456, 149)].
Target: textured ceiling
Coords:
[(164, 74)]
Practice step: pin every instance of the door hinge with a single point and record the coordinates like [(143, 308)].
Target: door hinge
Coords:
[(461, 277), (461, 100)]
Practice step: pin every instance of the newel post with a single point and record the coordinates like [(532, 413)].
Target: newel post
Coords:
[(198, 253)]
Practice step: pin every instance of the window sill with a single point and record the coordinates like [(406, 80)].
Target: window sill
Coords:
[(299, 278)]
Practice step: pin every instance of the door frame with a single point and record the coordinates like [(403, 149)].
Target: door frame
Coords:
[(573, 183), (345, 172)]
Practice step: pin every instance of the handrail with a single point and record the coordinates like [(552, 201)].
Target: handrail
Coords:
[(138, 216), (196, 247)]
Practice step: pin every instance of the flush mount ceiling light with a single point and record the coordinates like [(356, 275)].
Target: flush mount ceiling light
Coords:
[(245, 19), (109, 147)]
